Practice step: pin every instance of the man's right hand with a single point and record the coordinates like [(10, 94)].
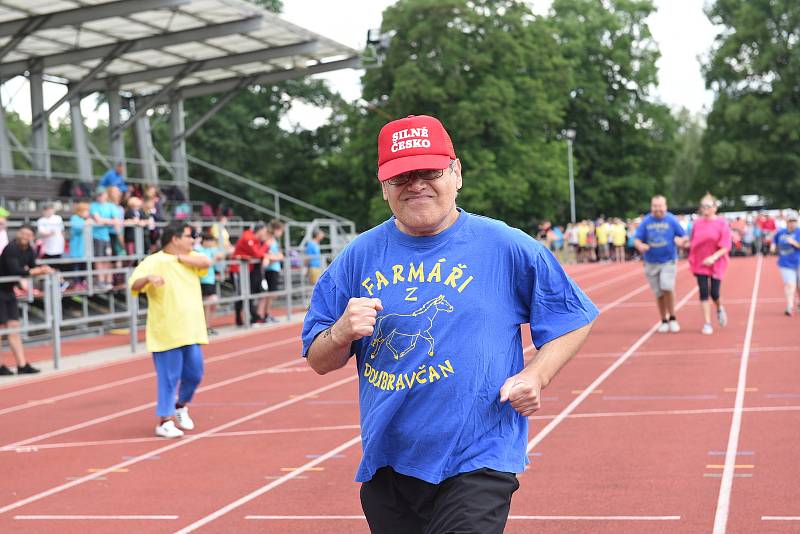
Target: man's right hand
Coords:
[(357, 321)]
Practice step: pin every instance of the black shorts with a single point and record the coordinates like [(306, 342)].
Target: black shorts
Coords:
[(273, 279), (208, 289), (475, 502), (9, 308), (256, 281)]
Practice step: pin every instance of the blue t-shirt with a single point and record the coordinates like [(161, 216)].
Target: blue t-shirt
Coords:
[(209, 253), (274, 248), (788, 256), (660, 235), (447, 339), (113, 179), (105, 210), (314, 253), (76, 231)]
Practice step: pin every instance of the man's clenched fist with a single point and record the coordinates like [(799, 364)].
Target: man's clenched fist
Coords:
[(357, 321)]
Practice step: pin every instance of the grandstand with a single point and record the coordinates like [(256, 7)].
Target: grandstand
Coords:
[(140, 54)]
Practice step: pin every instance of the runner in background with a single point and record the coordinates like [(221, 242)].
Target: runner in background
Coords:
[(787, 245), (708, 259)]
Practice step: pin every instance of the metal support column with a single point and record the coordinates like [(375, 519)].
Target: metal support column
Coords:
[(177, 128), (144, 145), (79, 140), (41, 150), (116, 133), (6, 161)]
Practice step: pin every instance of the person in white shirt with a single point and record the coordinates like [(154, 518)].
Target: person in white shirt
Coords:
[(50, 229)]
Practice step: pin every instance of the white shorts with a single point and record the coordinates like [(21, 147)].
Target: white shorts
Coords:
[(791, 276), (660, 276)]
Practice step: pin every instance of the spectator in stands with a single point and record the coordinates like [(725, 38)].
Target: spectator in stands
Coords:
[(272, 265), (252, 245), (3, 228), (153, 217), (314, 256), (103, 213), (18, 259), (115, 178), (80, 225), (115, 231), (134, 216), (50, 229), (208, 283), (176, 326)]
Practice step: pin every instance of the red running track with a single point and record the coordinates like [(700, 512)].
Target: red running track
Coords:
[(642, 432)]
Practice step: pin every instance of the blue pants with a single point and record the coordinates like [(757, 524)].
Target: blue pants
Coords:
[(184, 364)]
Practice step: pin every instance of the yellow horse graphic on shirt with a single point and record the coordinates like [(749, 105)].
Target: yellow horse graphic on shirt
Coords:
[(415, 325)]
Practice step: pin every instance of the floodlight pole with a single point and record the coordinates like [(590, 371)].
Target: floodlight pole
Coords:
[(570, 136)]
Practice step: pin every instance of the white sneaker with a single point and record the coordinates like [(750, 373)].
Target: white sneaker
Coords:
[(707, 329), (674, 327), (182, 417), (722, 317), (663, 327), (167, 429)]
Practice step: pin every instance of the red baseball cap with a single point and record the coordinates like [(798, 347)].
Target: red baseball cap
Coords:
[(414, 143)]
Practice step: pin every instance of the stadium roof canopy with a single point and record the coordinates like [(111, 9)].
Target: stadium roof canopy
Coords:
[(190, 47)]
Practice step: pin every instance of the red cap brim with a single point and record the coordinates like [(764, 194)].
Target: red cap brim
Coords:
[(412, 163)]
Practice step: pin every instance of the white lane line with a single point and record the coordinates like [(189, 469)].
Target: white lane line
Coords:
[(66, 445), (99, 517), (780, 517), (511, 517), (699, 411), (724, 500), (604, 309), (109, 385), (611, 280), (174, 445), (268, 487), (135, 409), (135, 357), (680, 352), (600, 379)]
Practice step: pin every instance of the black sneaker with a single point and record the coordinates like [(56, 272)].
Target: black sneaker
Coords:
[(27, 369), (5, 371)]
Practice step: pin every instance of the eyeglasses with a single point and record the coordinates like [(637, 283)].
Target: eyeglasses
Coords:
[(424, 174), (705, 205), (193, 235)]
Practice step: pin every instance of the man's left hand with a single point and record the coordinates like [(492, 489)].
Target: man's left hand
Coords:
[(524, 393)]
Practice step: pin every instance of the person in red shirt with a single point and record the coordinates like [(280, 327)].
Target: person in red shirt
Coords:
[(252, 245), (767, 225)]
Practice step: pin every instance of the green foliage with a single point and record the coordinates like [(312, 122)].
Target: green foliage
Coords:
[(492, 73), (682, 184), (752, 144), (624, 145)]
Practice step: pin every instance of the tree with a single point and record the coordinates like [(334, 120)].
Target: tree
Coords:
[(752, 144), (624, 144), (492, 72), (682, 184)]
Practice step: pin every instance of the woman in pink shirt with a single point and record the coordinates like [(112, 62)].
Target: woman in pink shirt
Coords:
[(708, 258)]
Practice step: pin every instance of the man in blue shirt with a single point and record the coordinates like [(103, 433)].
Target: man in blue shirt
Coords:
[(314, 254), (656, 239), (431, 303), (115, 178)]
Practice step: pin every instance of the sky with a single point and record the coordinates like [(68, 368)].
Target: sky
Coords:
[(682, 31)]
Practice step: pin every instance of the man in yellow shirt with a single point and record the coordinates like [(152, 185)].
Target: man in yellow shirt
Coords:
[(618, 237), (176, 325)]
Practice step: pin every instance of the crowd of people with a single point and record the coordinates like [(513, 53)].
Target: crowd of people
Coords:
[(612, 239)]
